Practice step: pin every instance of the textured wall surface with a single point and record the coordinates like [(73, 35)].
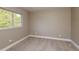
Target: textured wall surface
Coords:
[(14, 33), (75, 25), (54, 23)]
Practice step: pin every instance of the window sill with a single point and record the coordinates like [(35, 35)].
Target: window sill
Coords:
[(10, 28)]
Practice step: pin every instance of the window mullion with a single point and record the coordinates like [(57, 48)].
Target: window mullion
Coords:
[(13, 20)]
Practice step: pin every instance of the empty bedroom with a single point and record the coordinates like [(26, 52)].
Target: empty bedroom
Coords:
[(39, 29)]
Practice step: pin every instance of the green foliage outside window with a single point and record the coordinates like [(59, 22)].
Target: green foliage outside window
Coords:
[(9, 19)]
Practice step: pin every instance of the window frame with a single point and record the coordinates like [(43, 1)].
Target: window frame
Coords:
[(13, 27)]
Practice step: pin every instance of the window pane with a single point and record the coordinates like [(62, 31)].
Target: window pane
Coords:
[(17, 20), (9, 19), (5, 18)]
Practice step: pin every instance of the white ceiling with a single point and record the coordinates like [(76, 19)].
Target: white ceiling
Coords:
[(36, 8)]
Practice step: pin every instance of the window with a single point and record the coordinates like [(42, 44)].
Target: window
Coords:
[(9, 19)]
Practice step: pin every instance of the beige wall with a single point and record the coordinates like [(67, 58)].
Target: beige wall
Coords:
[(75, 25), (53, 23), (15, 33)]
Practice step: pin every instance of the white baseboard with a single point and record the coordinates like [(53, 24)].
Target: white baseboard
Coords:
[(13, 44), (37, 36), (76, 45), (69, 40)]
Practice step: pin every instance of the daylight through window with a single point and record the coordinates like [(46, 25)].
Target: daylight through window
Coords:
[(9, 19)]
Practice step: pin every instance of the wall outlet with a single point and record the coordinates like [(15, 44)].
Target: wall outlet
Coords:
[(10, 40)]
